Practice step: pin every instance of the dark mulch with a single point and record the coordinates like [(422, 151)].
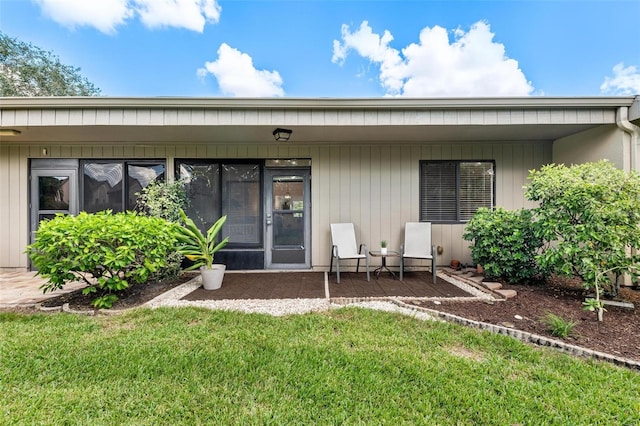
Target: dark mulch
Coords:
[(135, 295), (264, 285), (310, 285), (414, 284), (618, 334)]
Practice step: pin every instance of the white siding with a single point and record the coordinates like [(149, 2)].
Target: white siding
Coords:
[(605, 142), (374, 186), (318, 117)]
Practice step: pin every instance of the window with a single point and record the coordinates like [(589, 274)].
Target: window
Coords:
[(452, 191), (218, 188), (113, 184)]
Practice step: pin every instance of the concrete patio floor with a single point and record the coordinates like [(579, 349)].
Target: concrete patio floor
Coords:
[(23, 288)]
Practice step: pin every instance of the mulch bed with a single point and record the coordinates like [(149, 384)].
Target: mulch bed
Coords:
[(618, 334)]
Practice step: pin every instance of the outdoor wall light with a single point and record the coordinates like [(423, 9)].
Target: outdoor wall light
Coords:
[(9, 132), (282, 135)]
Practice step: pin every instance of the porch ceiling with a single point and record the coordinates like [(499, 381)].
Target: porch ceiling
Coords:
[(302, 134)]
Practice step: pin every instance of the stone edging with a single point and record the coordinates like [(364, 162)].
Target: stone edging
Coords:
[(526, 337)]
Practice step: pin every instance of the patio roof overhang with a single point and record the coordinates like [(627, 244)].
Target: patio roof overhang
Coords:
[(91, 120)]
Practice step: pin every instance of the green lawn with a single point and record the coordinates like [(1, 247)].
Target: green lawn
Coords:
[(348, 366)]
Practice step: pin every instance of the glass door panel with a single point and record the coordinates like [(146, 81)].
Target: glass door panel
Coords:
[(287, 214), (52, 192)]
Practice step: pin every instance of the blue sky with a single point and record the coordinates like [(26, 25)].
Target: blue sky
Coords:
[(313, 48)]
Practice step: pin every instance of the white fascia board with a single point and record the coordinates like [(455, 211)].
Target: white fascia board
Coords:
[(315, 103), (634, 109)]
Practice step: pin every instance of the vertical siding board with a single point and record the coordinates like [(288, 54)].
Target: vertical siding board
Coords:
[(351, 169), (544, 116), (388, 197), (8, 118), (34, 117), (366, 168), (156, 117), (183, 117), (170, 117), (129, 117), (397, 171), (61, 117), (375, 199), (18, 211), (48, 117), (143, 117), (6, 169)]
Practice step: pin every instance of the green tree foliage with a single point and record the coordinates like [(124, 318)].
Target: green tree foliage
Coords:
[(590, 216), (110, 252), (165, 200), (505, 244), (27, 70)]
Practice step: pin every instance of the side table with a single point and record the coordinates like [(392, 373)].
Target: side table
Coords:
[(384, 267)]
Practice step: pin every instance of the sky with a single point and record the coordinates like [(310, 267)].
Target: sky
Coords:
[(339, 49)]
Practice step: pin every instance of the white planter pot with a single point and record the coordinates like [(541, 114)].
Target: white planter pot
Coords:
[(383, 250), (212, 278)]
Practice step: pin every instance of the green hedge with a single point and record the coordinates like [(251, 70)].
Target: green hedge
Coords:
[(108, 251), (505, 243)]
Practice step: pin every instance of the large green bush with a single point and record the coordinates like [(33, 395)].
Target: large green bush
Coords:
[(505, 244), (590, 216), (110, 252)]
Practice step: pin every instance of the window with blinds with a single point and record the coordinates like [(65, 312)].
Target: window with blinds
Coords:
[(452, 191)]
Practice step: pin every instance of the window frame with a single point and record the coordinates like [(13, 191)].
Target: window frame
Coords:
[(423, 197), (124, 162), (234, 161)]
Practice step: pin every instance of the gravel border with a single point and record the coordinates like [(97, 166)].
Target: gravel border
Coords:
[(281, 307)]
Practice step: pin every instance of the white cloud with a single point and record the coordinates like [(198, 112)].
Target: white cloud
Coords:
[(472, 65), (189, 14), (625, 81), (106, 15), (237, 76)]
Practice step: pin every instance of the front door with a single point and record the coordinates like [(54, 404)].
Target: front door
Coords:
[(287, 218), (52, 191)]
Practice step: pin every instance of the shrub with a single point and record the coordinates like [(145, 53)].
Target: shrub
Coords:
[(505, 244), (108, 251), (164, 200), (590, 216)]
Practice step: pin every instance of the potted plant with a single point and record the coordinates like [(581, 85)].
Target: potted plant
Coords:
[(383, 247), (201, 249)]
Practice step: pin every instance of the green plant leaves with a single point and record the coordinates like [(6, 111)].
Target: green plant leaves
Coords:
[(197, 247), (110, 252)]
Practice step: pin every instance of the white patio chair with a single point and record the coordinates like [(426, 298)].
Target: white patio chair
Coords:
[(417, 245), (343, 240)]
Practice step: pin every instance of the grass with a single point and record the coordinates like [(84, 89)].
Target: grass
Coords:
[(558, 326), (347, 366)]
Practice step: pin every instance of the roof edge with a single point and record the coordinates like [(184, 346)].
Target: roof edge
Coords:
[(315, 103)]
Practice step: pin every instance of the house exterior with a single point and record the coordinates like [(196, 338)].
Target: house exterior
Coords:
[(377, 163)]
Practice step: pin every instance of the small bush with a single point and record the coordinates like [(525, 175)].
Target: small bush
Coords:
[(108, 251), (558, 326), (505, 244)]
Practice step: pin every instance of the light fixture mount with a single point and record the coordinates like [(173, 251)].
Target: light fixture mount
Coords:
[(282, 135), (9, 132)]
